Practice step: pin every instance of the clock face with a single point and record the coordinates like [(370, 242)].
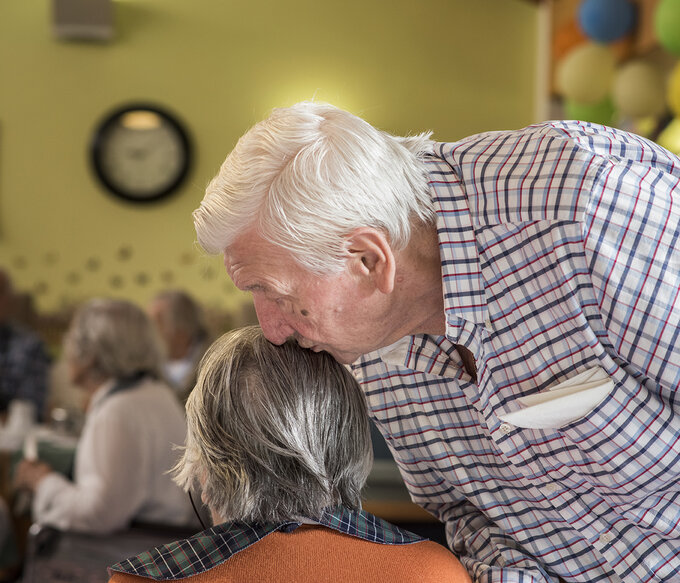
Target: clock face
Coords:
[(141, 153)]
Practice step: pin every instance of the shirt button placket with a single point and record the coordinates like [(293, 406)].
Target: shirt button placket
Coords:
[(505, 428)]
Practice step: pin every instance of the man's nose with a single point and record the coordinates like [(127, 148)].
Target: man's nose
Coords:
[(272, 321)]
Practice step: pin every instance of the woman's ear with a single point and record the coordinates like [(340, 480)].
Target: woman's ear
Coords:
[(371, 258)]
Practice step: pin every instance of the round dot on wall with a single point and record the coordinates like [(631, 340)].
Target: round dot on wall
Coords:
[(124, 253), (40, 288), (92, 264), (73, 278), (50, 258), (208, 273), (142, 279), (187, 259), (167, 277), (19, 262), (116, 281)]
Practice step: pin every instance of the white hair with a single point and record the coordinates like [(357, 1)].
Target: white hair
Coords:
[(309, 175), (274, 432)]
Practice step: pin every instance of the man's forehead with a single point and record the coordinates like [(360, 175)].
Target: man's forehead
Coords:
[(246, 242), (250, 249), (266, 266)]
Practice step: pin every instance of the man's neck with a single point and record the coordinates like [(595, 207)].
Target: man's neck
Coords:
[(419, 281)]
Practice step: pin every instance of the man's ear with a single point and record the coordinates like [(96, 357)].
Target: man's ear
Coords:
[(371, 256)]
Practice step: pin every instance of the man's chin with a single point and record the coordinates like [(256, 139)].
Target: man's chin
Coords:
[(340, 356), (344, 357)]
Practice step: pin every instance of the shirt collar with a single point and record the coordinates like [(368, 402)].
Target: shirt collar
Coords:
[(100, 394), (463, 286), (114, 386), (465, 302), (214, 546)]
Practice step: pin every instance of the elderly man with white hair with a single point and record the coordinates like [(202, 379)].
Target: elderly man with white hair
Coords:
[(510, 303)]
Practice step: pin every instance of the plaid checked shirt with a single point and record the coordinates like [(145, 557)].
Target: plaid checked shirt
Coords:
[(212, 547), (560, 252)]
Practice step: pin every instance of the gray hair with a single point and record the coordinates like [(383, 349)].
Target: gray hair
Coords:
[(274, 432), (309, 175), (115, 338), (183, 313)]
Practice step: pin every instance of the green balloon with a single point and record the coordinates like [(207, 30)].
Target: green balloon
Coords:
[(601, 112), (667, 25)]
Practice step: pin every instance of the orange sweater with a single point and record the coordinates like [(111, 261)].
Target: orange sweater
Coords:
[(322, 555)]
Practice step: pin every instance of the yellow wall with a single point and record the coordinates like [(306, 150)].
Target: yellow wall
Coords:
[(454, 66)]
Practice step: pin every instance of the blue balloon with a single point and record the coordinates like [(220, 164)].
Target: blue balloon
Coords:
[(606, 20)]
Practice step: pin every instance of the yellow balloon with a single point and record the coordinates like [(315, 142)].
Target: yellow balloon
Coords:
[(669, 138), (674, 90), (586, 73), (639, 90)]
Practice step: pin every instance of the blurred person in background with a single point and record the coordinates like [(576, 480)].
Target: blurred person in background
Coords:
[(179, 320), (24, 361), (132, 423), (279, 444)]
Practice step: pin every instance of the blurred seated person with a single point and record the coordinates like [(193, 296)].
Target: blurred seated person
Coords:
[(279, 444), (179, 320), (24, 362), (132, 424)]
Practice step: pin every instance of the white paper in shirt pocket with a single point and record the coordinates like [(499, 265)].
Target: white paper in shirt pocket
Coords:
[(565, 402)]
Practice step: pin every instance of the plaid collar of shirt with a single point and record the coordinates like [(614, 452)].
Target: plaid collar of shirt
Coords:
[(214, 546), (465, 302), (463, 285)]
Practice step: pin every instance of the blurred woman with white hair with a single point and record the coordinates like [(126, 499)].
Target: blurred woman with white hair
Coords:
[(279, 445), (132, 424)]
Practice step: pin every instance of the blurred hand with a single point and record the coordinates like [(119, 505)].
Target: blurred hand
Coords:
[(28, 474)]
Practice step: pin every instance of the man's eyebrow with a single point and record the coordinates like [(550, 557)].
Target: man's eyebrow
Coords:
[(255, 287)]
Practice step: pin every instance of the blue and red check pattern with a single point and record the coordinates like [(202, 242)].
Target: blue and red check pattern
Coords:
[(560, 249), (212, 547)]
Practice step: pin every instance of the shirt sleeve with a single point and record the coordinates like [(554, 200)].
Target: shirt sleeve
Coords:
[(109, 484), (632, 243), (487, 554)]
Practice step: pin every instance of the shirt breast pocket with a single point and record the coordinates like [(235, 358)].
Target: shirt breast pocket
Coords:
[(617, 434), (562, 404)]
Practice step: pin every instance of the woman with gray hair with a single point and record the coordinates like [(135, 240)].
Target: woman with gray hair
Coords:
[(279, 444), (133, 422)]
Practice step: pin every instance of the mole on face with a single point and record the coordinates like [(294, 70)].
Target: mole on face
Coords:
[(304, 313)]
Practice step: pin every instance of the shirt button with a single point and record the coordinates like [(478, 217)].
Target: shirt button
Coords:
[(552, 487), (488, 325), (505, 428), (606, 538)]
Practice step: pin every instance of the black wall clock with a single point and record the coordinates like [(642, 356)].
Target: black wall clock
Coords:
[(141, 153)]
